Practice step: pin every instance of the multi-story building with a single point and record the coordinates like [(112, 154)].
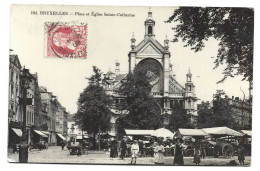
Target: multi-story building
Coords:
[(14, 109), (242, 112), (65, 125), (50, 107), (152, 56)]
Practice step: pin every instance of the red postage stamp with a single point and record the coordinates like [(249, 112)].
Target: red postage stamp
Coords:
[(66, 40)]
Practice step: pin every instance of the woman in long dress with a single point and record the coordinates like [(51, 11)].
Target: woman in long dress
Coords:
[(178, 156), (159, 157)]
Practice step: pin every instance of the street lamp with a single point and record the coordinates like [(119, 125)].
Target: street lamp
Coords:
[(25, 83)]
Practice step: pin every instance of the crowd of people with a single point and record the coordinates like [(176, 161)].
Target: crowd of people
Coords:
[(156, 148)]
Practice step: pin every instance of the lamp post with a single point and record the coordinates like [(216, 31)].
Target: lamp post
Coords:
[(25, 82)]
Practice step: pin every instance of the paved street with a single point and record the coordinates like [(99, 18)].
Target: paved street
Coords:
[(55, 155)]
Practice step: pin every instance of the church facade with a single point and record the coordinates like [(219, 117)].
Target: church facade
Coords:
[(154, 57)]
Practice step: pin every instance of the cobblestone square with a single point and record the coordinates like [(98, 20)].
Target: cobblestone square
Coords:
[(54, 154)]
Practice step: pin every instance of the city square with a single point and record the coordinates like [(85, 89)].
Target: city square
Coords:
[(162, 103)]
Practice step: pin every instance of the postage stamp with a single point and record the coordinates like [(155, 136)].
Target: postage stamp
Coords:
[(66, 40)]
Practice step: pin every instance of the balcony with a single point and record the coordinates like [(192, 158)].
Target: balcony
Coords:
[(176, 94)]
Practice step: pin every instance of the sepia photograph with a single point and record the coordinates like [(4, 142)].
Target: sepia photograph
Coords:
[(130, 85)]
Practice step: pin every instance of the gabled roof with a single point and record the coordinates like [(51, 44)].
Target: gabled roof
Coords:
[(15, 60), (147, 40)]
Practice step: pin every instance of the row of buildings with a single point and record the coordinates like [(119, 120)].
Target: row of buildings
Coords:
[(241, 111), (46, 118)]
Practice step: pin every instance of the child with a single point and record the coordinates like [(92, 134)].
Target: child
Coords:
[(196, 158), (134, 151)]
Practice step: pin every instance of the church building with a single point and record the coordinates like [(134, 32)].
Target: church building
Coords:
[(154, 57)]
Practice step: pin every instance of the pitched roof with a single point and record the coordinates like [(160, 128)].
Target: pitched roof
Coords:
[(15, 60), (145, 41), (119, 77)]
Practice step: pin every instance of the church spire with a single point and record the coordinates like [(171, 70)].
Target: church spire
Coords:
[(149, 25), (189, 75)]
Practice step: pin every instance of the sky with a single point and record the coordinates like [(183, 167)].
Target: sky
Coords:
[(108, 40)]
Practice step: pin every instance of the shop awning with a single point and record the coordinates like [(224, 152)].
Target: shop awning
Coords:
[(247, 132), (18, 132), (222, 131), (138, 132), (46, 132), (40, 133), (190, 132), (61, 136)]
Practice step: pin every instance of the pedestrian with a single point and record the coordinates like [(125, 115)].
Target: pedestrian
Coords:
[(134, 152), (203, 150), (14, 148), (113, 152), (178, 156), (196, 158), (241, 155), (141, 147), (158, 151), (62, 145), (123, 148)]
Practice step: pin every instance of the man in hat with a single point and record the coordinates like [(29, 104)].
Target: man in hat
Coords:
[(134, 151)]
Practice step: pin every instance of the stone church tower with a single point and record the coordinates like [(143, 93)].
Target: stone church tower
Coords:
[(150, 55)]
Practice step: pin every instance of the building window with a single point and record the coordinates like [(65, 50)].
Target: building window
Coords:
[(12, 92), (190, 87), (150, 30), (12, 76), (32, 118)]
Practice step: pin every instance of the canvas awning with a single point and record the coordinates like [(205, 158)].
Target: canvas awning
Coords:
[(46, 132), (190, 132), (40, 133), (247, 132), (138, 132), (222, 131), (61, 136), (18, 132)]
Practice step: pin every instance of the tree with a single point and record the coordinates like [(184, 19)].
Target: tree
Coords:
[(179, 118), (143, 111), (205, 118), (233, 27), (93, 113), (220, 114)]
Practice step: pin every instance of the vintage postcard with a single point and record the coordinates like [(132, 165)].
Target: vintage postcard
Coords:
[(130, 85)]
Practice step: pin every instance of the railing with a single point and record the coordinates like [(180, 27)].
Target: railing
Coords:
[(176, 94)]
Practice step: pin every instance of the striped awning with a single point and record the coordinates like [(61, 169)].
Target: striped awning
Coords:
[(40, 133)]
